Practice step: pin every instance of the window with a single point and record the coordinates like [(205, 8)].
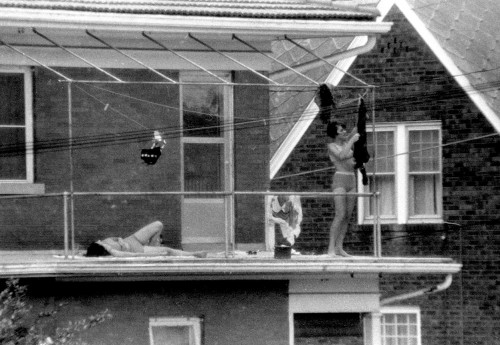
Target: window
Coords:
[(400, 326), (175, 331), (205, 116), (16, 137), (207, 159), (407, 167)]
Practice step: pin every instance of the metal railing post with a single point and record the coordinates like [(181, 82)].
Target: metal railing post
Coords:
[(66, 230)]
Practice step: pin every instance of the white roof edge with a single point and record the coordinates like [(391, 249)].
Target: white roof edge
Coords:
[(334, 78), (182, 24), (474, 94)]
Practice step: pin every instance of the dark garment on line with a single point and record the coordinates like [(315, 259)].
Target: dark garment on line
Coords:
[(360, 150)]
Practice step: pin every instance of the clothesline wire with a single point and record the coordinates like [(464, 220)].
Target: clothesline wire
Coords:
[(395, 155), (285, 117), (174, 131)]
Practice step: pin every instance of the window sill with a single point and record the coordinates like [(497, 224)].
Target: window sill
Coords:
[(7, 188)]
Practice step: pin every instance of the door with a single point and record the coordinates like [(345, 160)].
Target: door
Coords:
[(207, 161)]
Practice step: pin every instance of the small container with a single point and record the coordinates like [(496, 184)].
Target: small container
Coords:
[(282, 252)]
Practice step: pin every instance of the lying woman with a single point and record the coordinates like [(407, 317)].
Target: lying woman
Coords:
[(145, 242)]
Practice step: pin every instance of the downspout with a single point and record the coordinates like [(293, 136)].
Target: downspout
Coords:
[(331, 59), (433, 289)]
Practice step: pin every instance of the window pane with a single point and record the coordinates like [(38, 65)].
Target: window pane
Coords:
[(403, 328), (385, 184), (423, 194), (12, 99), (401, 318), (13, 157), (202, 110), (424, 153), (385, 152), (171, 335), (203, 167)]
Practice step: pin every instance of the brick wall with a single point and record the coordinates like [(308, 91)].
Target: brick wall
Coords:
[(233, 312), (414, 86)]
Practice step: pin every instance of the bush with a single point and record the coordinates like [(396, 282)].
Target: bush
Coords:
[(19, 327)]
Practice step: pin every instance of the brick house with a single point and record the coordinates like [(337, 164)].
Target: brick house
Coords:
[(86, 83), (435, 72)]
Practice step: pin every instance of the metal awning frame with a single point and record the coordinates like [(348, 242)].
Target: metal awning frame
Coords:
[(166, 79), (69, 209)]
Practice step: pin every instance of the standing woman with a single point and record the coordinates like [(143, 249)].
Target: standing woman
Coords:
[(340, 151)]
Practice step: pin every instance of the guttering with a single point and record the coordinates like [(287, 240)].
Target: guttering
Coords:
[(348, 5), (68, 20), (433, 289)]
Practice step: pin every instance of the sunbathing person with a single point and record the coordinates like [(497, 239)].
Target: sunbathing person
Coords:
[(144, 242)]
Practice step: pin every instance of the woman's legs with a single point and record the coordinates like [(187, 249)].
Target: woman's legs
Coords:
[(150, 234), (350, 203), (337, 226), (172, 252)]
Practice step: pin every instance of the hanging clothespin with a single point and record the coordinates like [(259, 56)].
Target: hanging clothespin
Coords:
[(158, 140)]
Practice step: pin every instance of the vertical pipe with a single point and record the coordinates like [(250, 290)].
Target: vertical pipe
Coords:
[(376, 213), (229, 169), (71, 189), (65, 208)]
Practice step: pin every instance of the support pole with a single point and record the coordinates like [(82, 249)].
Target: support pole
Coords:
[(377, 231), (70, 150), (184, 58), (66, 228), (130, 57), (76, 55), (276, 60), (232, 59)]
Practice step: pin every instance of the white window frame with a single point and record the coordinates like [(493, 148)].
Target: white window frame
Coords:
[(27, 185), (402, 176), (227, 140), (28, 119), (401, 310), (194, 324)]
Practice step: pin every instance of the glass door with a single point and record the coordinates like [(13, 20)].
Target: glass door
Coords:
[(207, 162)]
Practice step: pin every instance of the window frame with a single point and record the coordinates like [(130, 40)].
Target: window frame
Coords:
[(395, 310), (193, 323), (27, 185), (402, 176)]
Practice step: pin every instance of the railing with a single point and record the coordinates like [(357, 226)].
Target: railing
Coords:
[(69, 214)]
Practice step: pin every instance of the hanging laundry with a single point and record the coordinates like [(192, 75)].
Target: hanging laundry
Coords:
[(325, 102), (360, 151), (287, 212), (150, 156)]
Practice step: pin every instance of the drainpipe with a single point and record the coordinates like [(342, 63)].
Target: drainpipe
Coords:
[(437, 288), (369, 45)]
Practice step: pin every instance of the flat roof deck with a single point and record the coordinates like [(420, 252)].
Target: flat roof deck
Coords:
[(241, 265)]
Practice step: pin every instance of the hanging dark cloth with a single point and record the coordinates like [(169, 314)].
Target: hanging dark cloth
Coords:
[(360, 154), (150, 156), (325, 102)]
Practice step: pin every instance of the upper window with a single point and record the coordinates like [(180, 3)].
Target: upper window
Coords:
[(175, 331), (16, 136), (406, 160), (400, 326), (205, 120)]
